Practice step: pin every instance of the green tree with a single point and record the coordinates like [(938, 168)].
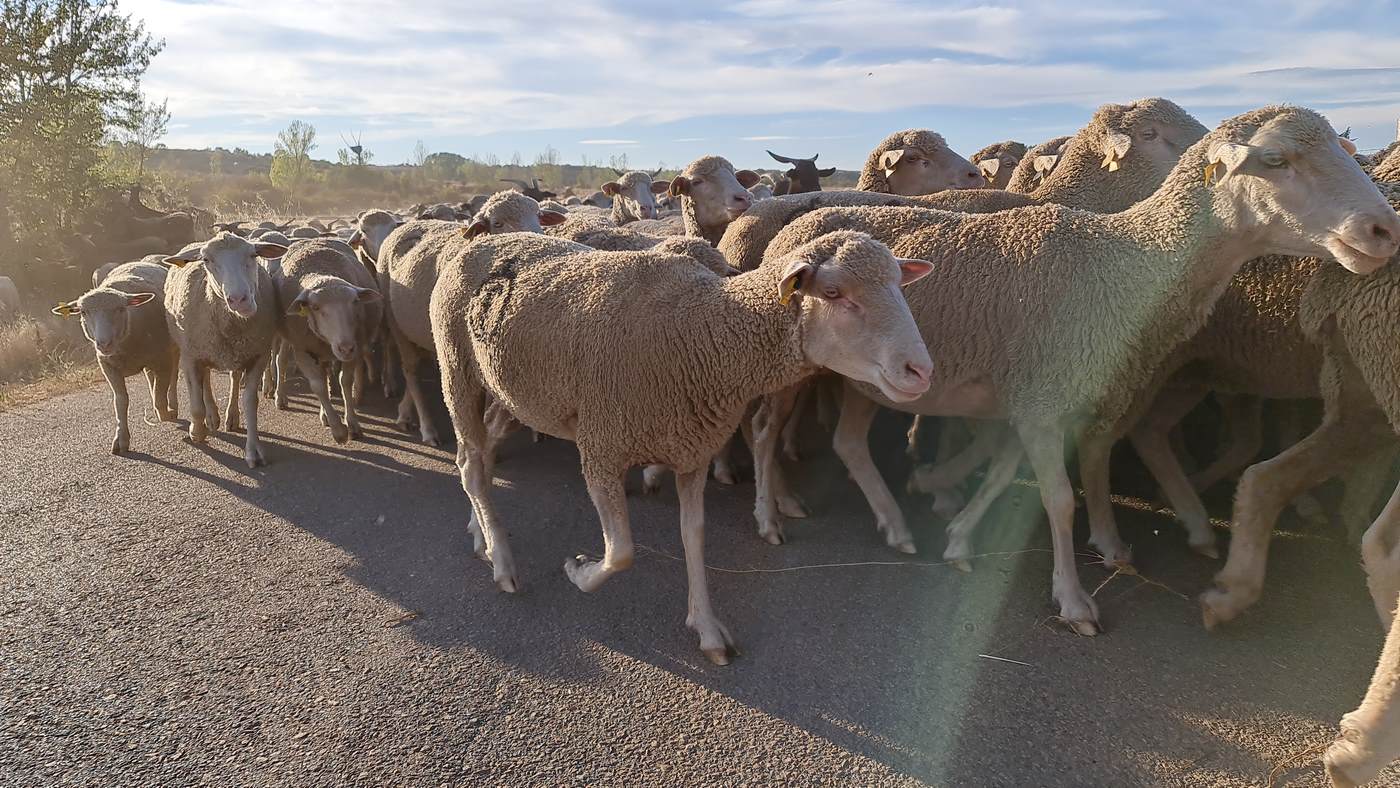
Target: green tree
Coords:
[(443, 166), (70, 74), (291, 158), (145, 124)]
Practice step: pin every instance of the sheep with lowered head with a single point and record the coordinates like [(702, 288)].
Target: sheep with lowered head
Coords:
[(409, 261), (1037, 163), (998, 161), (221, 308), (540, 324), (124, 318), (1072, 312), (333, 312)]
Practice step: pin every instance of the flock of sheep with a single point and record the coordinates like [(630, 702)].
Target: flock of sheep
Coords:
[(1090, 288)]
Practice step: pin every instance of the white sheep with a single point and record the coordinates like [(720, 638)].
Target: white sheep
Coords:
[(124, 318), (542, 325), (1054, 318), (222, 313), (634, 195)]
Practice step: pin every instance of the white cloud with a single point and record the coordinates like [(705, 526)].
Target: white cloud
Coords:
[(768, 138), (609, 142)]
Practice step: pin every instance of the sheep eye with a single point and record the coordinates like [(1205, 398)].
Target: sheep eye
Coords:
[(831, 292), (1149, 134), (1275, 160)]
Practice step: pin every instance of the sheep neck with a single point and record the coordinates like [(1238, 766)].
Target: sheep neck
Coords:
[(749, 324), (693, 226)]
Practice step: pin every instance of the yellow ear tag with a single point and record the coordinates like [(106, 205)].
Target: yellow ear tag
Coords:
[(63, 309), (303, 311), (1113, 166), (785, 291), (1210, 171)]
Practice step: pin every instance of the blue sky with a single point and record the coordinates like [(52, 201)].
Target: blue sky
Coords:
[(668, 82)]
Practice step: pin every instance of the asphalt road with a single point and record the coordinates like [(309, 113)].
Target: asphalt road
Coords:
[(172, 618)]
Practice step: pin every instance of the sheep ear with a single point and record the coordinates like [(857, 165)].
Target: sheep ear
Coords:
[(660, 187), (365, 295), (1347, 145), (746, 178), (66, 309), (679, 185), (911, 271), (138, 299), (298, 305), (827, 173), (890, 159), (269, 251), (551, 218), (187, 256), (989, 167), (474, 229), (1044, 164), (1226, 155), (1115, 148), (612, 187), (797, 275)]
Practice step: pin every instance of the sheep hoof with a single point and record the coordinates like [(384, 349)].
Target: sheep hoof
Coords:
[(433, 440), (255, 459), (792, 454), (282, 404), (1208, 550), (904, 546), (725, 476), (791, 506), (404, 425), (772, 534), (962, 565), (1087, 629), (507, 584), (1217, 607), (340, 433), (717, 656), (120, 445)]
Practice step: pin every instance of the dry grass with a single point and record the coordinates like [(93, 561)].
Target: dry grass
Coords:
[(42, 357)]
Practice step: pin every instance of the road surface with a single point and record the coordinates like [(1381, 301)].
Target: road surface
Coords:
[(171, 618)]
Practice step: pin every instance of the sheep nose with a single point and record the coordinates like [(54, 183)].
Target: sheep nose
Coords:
[(1385, 235), (975, 175), (345, 349), (920, 371), (240, 303), (743, 199)]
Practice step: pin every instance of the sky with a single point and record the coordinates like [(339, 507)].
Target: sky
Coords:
[(668, 82)]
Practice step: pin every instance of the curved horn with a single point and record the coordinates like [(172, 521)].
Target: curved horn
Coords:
[(783, 159), (656, 172), (617, 172)]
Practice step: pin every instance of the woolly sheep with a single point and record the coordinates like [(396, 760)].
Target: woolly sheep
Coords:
[(998, 161), (222, 313), (129, 335), (712, 194), (1387, 167), (333, 312), (1058, 353), (371, 228), (1036, 164), (533, 320), (101, 272), (633, 196), (442, 212), (916, 161)]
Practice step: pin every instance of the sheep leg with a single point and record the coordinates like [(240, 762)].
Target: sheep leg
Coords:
[(1363, 486), (1267, 487), (161, 389), (211, 405), (387, 373), (121, 401), (172, 390), (724, 464), (250, 378), (1006, 458), (232, 416), (409, 358), (1380, 554), (316, 376), (774, 412), (348, 375), (651, 478), (793, 422), (852, 444), (610, 499), (1290, 431), (1244, 416), (1153, 445), (1046, 449), (195, 387), (942, 477), (269, 381), (286, 357), (828, 391), (1094, 473), (1370, 735), (715, 641)]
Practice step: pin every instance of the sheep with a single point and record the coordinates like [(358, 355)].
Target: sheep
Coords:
[(763, 189), (129, 335), (1058, 354), (541, 324), (1349, 319), (441, 212), (634, 195), (1370, 735), (409, 261), (712, 194), (101, 272), (1387, 164), (804, 175), (333, 312), (1036, 164), (916, 161), (998, 161), (305, 232), (221, 312)]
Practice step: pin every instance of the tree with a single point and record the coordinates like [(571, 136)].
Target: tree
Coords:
[(420, 154), (70, 73), (443, 166), (146, 123), (291, 157), (350, 158)]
